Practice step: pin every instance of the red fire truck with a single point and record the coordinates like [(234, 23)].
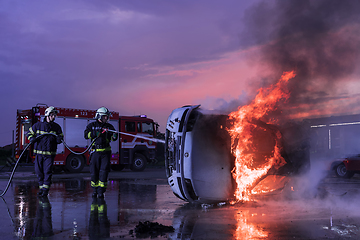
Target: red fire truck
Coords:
[(133, 149)]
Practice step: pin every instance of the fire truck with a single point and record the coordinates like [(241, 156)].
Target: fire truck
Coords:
[(134, 148)]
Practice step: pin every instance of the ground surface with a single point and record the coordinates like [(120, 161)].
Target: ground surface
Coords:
[(329, 210)]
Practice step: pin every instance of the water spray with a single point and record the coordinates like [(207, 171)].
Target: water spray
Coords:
[(137, 136)]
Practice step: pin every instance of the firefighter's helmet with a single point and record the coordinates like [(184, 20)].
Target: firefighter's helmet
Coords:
[(102, 112), (50, 110)]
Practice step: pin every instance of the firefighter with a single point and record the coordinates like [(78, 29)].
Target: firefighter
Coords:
[(101, 150), (45, 148)]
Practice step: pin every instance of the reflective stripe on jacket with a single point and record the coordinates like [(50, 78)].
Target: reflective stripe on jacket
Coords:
[(45, 145), (102, 143)]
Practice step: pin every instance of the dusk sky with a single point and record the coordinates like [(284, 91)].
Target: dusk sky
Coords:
[(152, 56)]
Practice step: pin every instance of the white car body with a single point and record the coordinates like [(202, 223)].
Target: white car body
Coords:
[(197, 156)]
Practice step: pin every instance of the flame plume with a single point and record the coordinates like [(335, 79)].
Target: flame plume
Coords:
[(248, 121)]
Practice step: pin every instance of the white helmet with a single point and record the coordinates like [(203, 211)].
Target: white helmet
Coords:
[(101, 112), (49, 110)]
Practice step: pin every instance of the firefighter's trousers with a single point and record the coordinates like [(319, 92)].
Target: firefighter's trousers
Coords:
[(99, 170), (43, 170)]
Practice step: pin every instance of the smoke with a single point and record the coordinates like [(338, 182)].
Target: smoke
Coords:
[(320, 40), (222, 106)]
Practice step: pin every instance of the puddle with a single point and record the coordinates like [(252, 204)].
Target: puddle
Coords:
[(71, 213)]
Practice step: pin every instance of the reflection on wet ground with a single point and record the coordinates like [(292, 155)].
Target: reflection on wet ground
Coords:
[(71, 213)]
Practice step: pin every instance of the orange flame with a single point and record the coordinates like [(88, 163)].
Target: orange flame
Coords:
[(255, 157), (247, 230)]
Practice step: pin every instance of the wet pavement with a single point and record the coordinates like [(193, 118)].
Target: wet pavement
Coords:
[(331, 212)]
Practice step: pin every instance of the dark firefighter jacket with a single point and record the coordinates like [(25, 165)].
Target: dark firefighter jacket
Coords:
[(46, 145), (95, 129)]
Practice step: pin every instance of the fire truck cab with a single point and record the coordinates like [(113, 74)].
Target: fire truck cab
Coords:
[(129, 151), (198, 159)]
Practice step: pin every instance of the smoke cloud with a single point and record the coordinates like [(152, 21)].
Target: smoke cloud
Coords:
[(320, 40)]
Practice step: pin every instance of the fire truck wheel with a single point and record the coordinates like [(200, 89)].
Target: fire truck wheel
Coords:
[(75, 163), (342, 172), (139, 163), (117, 167)]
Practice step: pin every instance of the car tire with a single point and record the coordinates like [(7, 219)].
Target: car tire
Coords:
[(75, 163), (139, 163), (342, 172)]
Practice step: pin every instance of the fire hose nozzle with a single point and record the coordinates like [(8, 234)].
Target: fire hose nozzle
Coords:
[(105, 130)]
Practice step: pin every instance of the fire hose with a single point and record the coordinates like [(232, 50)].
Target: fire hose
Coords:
[(136, 136), (77, 153), (27, 146)]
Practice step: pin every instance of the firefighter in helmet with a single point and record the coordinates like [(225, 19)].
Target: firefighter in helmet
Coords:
[(101, 150), (45, 148)]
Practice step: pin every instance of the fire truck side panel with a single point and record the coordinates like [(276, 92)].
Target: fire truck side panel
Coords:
[(61, 122), (23, 123), (74, 132), (130, 145), (115, 144), (73, 123)]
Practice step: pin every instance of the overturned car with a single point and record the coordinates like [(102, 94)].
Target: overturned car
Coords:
[(197, 156), (199, 161)]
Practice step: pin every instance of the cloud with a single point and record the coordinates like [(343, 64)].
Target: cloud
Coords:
[(135, 56), (131, 56)]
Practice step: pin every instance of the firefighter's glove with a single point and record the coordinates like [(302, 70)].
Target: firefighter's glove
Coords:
[(114, 136), (104, 130), (32, 140), (59, 139)]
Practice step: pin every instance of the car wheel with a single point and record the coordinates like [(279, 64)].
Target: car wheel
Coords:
[(342, 172), (74, 163), (139, 163)]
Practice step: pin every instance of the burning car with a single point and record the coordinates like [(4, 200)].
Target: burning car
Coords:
[(200, 163), (214, 157), (347, 167)]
